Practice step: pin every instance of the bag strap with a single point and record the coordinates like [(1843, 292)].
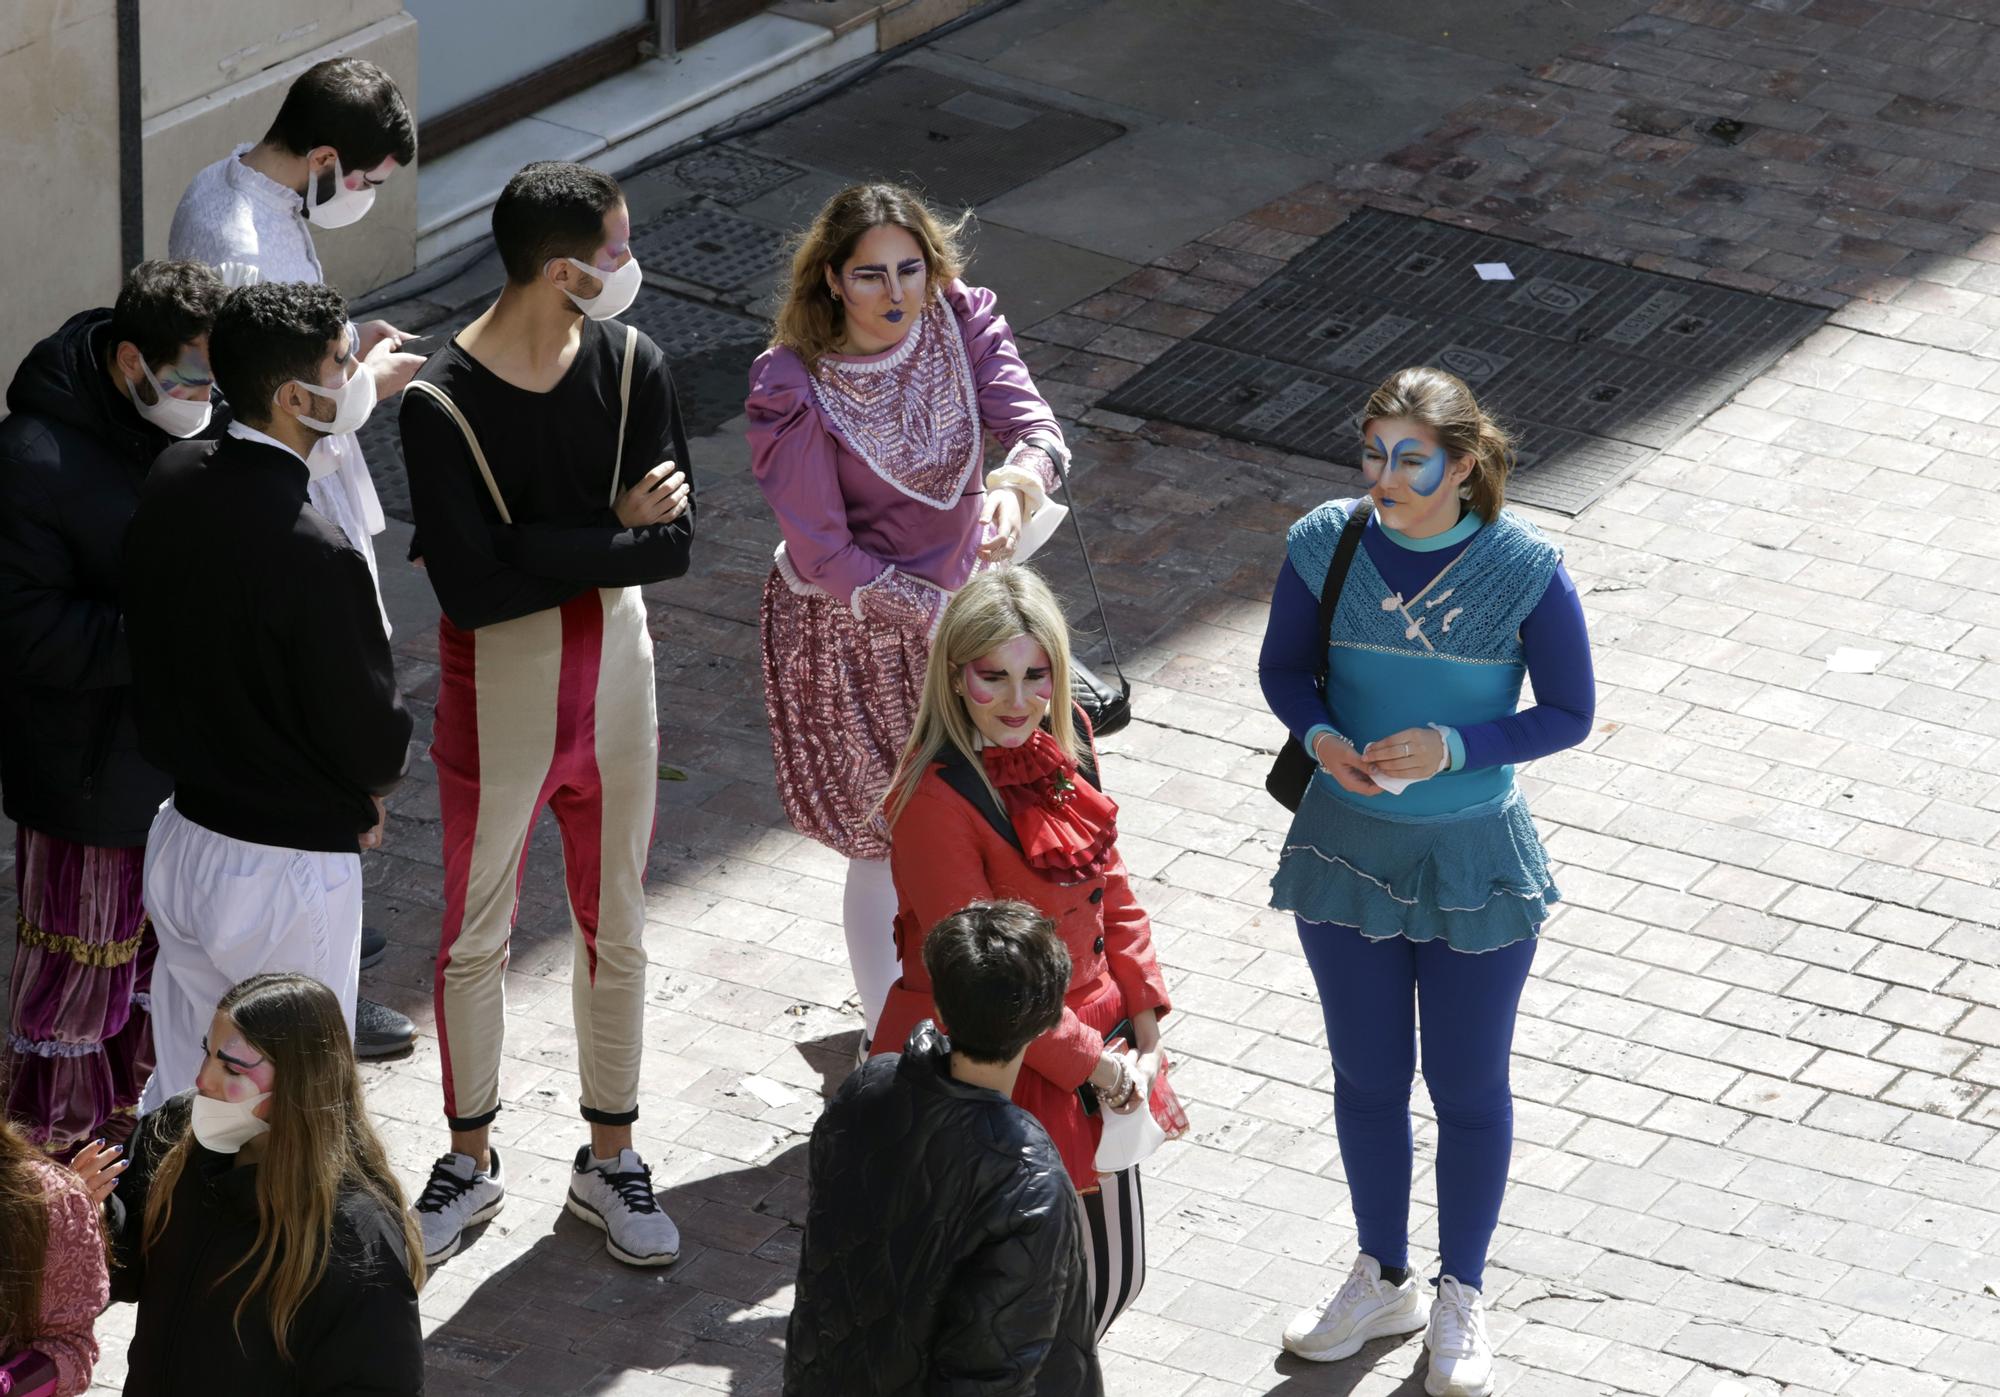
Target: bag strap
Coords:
[(624, 408), (431, 390), (1111, 646), (1336, 576)]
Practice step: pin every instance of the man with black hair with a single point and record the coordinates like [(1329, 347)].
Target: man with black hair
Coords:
[(549, 481), (263, 679), (91, 405), (343, 130), (943, 1249)]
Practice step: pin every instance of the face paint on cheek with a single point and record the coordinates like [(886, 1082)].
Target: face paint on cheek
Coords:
[(242, 1083), (1429, 471), (978, 690), (1043, 692)]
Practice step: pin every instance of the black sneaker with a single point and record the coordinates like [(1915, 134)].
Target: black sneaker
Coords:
[(374, 946), (380, 1031)]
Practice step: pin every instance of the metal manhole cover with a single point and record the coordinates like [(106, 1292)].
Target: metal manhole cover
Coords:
[(708, 351), (730, 174), (960, 144), (1594, 366), (709, 248)]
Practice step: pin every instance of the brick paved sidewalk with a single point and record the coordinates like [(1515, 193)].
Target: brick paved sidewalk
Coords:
[(1757, 1064)]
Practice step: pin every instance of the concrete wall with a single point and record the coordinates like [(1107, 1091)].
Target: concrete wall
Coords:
[(211, 76), (58, 165)]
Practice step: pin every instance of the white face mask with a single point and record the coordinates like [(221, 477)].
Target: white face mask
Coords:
[(343, 206), (352, 402), (227, 1126), (621, 288), (177, 417)]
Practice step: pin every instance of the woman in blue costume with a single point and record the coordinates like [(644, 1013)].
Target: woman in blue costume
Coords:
[(1412, 865)]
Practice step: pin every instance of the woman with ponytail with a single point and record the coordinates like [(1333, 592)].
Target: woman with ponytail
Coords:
[(261, 1229), (1412, 865)]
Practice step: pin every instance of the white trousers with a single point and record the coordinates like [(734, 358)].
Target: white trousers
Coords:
[(868, 915), (225, 910)]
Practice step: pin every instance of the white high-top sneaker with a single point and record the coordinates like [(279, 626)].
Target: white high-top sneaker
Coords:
[(1366, 1307), (1461, 1354)]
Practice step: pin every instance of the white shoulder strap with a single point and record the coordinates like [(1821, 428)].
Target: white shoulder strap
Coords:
[(431, 390), (624, 407)]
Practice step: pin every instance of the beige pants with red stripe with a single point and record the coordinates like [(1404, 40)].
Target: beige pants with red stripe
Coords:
[(555, 709)]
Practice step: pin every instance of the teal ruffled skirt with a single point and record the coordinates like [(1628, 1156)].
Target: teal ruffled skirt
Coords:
[(1476, 878)]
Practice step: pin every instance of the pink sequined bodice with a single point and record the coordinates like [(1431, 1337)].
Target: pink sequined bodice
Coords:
[(911, 415)]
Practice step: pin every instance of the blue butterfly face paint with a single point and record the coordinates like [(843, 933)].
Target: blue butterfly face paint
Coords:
[(1419, 466)]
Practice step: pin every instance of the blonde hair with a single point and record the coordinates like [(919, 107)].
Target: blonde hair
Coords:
[(321, 1142), (1442, 402), (990, 610), (810, 322)]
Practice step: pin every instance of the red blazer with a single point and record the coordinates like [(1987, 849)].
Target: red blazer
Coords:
[(944, 854)]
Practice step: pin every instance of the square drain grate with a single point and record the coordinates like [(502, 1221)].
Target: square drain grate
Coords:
[(958, 143), (707, 350), (1594, 366), (729, 174), (709, 248)]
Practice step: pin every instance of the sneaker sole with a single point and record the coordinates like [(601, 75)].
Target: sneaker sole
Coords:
[(1436, 1387), (1419, 1318), (450, 1249), (580, 1209)]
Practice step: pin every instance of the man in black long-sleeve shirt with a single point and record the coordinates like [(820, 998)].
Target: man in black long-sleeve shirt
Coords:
[(548, 475), (263, 680)]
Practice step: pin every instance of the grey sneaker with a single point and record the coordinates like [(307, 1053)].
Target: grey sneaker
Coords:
[(458, 1196), (617, 1196), (1366, 1307)]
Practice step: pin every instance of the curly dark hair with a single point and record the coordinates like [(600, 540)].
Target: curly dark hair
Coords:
[(998, 973), (551, 208), (269, 334), (351, 105), (163, 305)]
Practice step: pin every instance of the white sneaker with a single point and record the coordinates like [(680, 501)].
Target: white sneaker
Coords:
[(617, 1196), (458, 1196), (1366, 1307), (1461, 1354)]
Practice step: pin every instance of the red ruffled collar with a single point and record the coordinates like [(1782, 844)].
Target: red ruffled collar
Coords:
[(1068, 829)]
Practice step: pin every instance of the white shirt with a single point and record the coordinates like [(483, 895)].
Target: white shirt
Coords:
[(234, 218)]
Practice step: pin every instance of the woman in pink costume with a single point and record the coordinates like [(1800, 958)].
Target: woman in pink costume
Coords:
[(868, 417)]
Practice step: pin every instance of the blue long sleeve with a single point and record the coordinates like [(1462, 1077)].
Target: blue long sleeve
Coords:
[(1554, 638), (1288, 665), (1557, 644)]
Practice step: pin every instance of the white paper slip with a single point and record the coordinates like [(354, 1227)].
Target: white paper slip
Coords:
[(1848, 660), (1395, 785), (1493, 271), (768, 1091)]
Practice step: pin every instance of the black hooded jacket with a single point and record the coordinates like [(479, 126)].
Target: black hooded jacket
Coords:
[(73, 454), (943, 1244)]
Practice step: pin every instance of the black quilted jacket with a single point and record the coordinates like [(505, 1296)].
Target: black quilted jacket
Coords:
[(943, 1249)]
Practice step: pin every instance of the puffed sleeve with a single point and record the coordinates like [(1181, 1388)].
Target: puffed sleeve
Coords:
[(1010, 406), (75, 1288), (792, 457)]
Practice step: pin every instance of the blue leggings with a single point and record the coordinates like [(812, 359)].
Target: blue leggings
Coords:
[(1370, 992)]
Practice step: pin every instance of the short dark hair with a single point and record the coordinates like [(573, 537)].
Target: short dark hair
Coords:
[(163, 305), (269, 334), (551, 208), (998, 973), (351, 105)]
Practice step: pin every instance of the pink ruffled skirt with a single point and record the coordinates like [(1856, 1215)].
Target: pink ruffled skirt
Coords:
[(80, 1045)]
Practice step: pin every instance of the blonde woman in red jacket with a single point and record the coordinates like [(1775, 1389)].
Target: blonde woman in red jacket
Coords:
[(996, 797)]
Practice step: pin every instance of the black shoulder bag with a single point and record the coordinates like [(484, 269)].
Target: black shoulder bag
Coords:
[(1292, 772), (1108, 708)]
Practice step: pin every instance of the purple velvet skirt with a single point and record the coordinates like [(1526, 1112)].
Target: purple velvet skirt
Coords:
[(80, 1044)]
